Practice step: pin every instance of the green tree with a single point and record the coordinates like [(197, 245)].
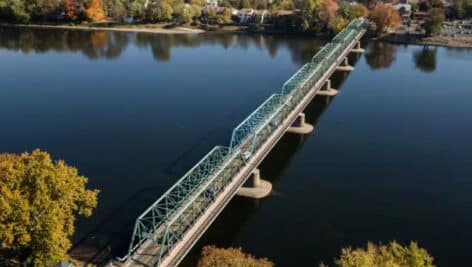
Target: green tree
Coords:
[(161, 12), (136, 9), (434, 21), (186, 14), (309, 14), (244, 4), (39, 199), (224, 17), (14, 11), (346, 11), (391, 255), (231, 257)]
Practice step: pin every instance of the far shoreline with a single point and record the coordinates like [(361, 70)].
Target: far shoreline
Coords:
[(439, 41), (137, 28)]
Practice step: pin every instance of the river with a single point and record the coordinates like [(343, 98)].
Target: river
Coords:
[(391, 157)]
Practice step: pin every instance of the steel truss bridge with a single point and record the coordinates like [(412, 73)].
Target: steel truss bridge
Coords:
[(166, 231)]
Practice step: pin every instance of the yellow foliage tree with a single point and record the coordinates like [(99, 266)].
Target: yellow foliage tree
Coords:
[(231, 257), (95, 11), (39, 199), (391, 255), (337, 23), (360, 10), (384, 17)]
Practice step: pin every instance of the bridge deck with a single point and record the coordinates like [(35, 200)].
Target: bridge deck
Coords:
[(165, 232)]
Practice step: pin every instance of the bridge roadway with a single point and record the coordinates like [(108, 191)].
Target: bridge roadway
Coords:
[(169, 228)]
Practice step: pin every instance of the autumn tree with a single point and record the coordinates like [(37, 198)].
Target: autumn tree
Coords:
[(327, 10), (337, 23), (231, 257), (95, 11), (359, 11), (39, 199), (389, 255), (384, 17)]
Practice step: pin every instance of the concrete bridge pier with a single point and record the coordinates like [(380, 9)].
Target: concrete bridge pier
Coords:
[(358, 48), (255, 186), (344, 66), (300, 126), (328, 90)]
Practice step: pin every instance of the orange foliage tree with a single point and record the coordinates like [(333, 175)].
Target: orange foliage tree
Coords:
[(360, 10), (95, 11), (327, 10), (384, 17)]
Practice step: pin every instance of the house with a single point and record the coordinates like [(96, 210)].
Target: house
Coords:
[(404, 9), (245, 15)]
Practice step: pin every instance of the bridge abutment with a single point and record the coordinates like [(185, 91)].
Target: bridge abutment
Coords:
[(256, 187), (300, 126), (328, 90), (344, 66)]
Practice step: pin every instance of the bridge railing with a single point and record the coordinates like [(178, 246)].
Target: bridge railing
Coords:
[(247, 127), (176, 227)]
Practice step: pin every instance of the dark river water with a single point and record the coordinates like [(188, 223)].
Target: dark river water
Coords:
[(391, 157)]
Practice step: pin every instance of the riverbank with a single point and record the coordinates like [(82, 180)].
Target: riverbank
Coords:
[(147, 28), (462, 41)]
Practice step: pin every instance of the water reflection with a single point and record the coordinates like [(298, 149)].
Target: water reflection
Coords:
[(380, 55), (109, 45), (425, 59)]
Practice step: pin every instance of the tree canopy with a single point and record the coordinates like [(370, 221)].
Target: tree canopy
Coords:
[(391, 255), (39, 199), (231, 257), (384, 17), (434, 21)]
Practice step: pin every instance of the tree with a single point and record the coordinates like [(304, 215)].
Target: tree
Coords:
[(434, 21), (327, 10), (224, 17), (346, 11), (337, 23), (231, 257), (391, 255), (38, 202), (244, 4), (360, 10), (14, 10), (95, 11), (74, 9), (116, 9), (136, 9), (309, 13), (185, 14), (161, 12), (384, 17)]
